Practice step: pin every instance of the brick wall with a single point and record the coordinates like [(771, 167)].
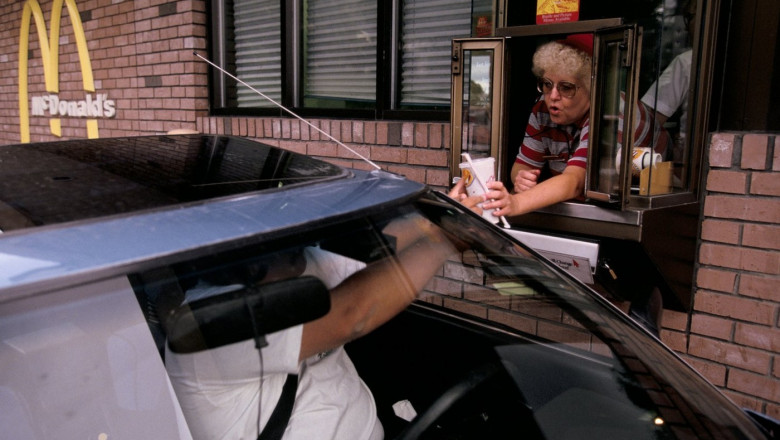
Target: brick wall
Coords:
[(734, 333), (417, 150), (141, 54)]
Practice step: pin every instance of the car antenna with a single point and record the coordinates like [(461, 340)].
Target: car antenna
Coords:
[(288, 111)]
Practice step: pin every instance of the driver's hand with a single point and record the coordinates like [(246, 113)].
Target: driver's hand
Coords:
[(458, 192)]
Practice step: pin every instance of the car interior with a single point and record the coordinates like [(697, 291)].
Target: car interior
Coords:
[(447, 366), (441, 373)]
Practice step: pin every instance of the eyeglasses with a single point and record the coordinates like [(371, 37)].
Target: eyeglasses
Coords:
[(565, 88)]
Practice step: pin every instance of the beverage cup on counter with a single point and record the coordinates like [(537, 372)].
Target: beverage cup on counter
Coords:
[(641, 158), (481, 173)]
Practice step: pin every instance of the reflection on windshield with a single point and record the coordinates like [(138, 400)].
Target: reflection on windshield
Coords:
[(581, 368), (73, 180)]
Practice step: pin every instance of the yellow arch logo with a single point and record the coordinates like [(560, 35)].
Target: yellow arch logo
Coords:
[(51, 60)]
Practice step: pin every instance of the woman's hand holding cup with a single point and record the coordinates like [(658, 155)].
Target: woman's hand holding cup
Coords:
[(498, 198)]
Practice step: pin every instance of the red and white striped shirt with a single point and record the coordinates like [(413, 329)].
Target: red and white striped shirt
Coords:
[(559, 146)]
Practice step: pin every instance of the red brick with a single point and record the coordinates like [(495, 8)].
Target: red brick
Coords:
[(473, 292), (465, 307), (720, 231), (407, 134), (759, 286), (357, 132), (765, 338), (285, 128), (776, 155), (767, 184), (428, 157), (513, 320), (743, 401), (772, 410), (319, 130), (416, 174), (389, 154), (716, 279), (355, 151), (363, 165), (715, 373), (536, 308), (329, 130), (677, 341), (295, 129), (733, 182), (369, 135), (756, 260), (564, 333), (421, 135), (737, 307), (712, 326), (720, 255), (381, 133), (329, 149), (674, 320), (438, 177), (345, 131), (430, 298), (754, 385), (744, 208), (720, 150), (296, 146), (754, 148), (730, 354), (435, 132)]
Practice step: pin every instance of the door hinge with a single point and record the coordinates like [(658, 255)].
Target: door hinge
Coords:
[(455, 62)]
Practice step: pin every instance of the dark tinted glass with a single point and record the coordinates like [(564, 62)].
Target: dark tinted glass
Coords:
[(72, 180), (498, 346)]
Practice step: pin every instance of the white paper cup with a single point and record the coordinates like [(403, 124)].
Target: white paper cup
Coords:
[(641, 158), (485, 168)]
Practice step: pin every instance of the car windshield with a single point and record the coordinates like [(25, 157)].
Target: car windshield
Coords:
[(56, 182), (498, 344)]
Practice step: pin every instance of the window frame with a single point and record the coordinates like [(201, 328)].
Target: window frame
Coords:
[(388, 62)]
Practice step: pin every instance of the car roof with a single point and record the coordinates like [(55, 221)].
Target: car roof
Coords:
[(96, 212)]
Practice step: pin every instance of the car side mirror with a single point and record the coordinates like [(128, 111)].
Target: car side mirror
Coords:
[(249, 313)]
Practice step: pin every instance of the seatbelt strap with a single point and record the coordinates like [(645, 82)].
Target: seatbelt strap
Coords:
[(274, 429)]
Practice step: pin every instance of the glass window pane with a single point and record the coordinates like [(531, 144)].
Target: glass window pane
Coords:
[(340, 53), (428, 28), (258, 51), (668, 93), (477, 97), (609, 120)]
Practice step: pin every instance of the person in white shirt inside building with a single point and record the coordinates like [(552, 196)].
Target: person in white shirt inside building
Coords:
[(669, 94)]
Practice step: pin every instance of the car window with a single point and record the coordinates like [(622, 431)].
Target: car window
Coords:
[(79, 363), (498, 333)]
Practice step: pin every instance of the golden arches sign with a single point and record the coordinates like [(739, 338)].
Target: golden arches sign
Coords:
[(51, 59)]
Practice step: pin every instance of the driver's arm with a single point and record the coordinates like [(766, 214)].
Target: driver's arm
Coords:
[(372, 296)]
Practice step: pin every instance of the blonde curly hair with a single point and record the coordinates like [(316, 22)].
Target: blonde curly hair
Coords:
[(563, 60)]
